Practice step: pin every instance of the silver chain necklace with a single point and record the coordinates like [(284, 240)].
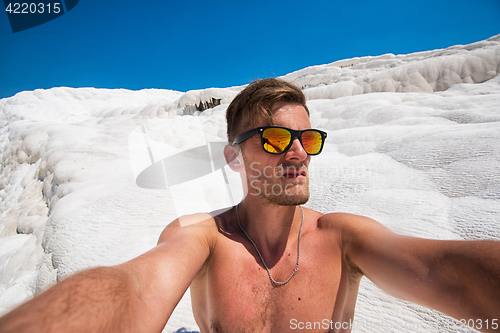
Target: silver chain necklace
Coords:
[(262, 259)]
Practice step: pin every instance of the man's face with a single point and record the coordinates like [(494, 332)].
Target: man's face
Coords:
[(279, 179)]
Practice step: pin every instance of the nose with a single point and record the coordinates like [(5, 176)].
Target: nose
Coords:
[(296, 151)]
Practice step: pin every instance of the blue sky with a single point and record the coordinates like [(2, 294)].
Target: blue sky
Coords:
[(192, 44)]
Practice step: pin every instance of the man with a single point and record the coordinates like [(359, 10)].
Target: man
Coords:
[(268, 264)]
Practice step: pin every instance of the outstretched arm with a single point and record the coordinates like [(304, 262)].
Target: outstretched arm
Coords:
[(459, 278), (137, 296)]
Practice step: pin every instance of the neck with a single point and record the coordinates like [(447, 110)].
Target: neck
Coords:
[(271, 227)]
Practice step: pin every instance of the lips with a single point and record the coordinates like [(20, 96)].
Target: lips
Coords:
[(292, 173)]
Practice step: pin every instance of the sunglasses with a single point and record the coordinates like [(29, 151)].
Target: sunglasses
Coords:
[(277, 139)]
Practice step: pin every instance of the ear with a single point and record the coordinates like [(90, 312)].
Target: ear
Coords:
[(234, 159)]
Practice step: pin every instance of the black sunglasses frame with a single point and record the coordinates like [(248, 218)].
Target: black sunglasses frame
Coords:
[(294, 134)]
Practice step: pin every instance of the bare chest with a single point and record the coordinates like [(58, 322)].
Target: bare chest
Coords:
[(235, 294)]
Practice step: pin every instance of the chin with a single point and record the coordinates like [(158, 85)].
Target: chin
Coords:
[(288, 199)]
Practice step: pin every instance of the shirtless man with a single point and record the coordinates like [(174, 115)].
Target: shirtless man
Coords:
[(268, 264)]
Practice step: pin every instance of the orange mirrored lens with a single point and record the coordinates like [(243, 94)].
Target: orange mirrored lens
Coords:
[(276, 140), (312, 140)]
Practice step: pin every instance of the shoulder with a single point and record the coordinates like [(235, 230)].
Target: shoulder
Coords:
[(345, 222), (356, 236), (353, 230), (337, 225), (194, 228)]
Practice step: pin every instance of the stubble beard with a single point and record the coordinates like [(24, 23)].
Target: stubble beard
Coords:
[(276, 191), (286, 199)]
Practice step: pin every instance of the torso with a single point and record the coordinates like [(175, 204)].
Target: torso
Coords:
[(233, 292)]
